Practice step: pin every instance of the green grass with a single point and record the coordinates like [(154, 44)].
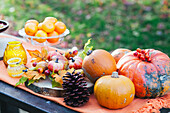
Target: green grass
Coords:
[(111, 23)]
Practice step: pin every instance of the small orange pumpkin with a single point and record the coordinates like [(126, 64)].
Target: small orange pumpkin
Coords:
[(119, 53), (115, 91), (98, 63)]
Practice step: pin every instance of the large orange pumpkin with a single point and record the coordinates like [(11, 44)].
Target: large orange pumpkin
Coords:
[(119, 53), (98, 63), (149, 70), (114, 91)]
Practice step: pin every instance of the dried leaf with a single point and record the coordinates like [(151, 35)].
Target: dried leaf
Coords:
[(37, 59), (30, 74), (56, 84), (38, 76), (44, 52), (58, 78), (34, 75), (38, 56), (62, 72), (79, 70)]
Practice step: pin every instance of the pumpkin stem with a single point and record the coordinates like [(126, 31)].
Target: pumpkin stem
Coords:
[(115, 75), (72, 59), (56, 60), (89, 52)]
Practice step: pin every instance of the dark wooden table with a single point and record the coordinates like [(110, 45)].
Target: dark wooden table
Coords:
[(13, 98)]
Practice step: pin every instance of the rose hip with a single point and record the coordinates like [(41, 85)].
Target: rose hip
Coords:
[(135, 54), (47, 72), (142, 57), (149, 59), (138, 50), (40, 70), (34, 64), (146, 55), (143, 51), (139, 55), (75, 52)]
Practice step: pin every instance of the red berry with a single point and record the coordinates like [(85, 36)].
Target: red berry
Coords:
[(75, 52), (139, 55), (142, 57), (34, 64), (143, 51), (47, 72), (135, 54), (146, 55), (149, 59), (40, 70), (138, 50)]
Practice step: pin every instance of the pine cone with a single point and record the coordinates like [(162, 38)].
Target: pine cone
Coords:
[(76, 91)]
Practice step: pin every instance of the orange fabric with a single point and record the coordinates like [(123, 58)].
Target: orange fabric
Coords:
[(92, 106)]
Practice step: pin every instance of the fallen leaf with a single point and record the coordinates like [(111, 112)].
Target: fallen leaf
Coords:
[(38, 56)]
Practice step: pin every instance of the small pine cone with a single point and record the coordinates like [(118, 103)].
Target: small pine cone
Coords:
[(76, 91)]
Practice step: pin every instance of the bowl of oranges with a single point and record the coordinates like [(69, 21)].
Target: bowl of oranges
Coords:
[(49, 32)]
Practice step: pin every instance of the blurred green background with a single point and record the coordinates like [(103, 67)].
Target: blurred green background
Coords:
[(110, 23)]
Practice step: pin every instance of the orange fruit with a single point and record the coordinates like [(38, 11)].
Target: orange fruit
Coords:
[(60, 27), (52, 40), (52, 19), (40, 33), (48, 26), (32, 21), (30, 29), (40, 26)]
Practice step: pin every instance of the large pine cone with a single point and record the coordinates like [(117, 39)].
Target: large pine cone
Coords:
[(76, 90)]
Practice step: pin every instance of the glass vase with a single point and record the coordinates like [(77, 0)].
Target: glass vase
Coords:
[(15, 49), (15, 68)]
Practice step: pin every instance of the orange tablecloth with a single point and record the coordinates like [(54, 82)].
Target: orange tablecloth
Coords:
[(91, 106)]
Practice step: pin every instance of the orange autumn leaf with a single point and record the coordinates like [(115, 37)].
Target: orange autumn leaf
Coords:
[(33, 75), (58, 78), (38, 56)]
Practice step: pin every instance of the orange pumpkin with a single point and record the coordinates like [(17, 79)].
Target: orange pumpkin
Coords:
[(114, 91), (119, 53), (149, 70), (98, 63)]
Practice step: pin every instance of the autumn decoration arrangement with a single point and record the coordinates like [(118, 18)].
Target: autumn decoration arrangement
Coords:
[(118, 76)]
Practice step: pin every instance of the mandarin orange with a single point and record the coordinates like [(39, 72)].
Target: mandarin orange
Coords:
[(48, 26), (60, 27), (41, 33), (52, 40), (40, 26), (30, 29), (52, 19), (32, 21)]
